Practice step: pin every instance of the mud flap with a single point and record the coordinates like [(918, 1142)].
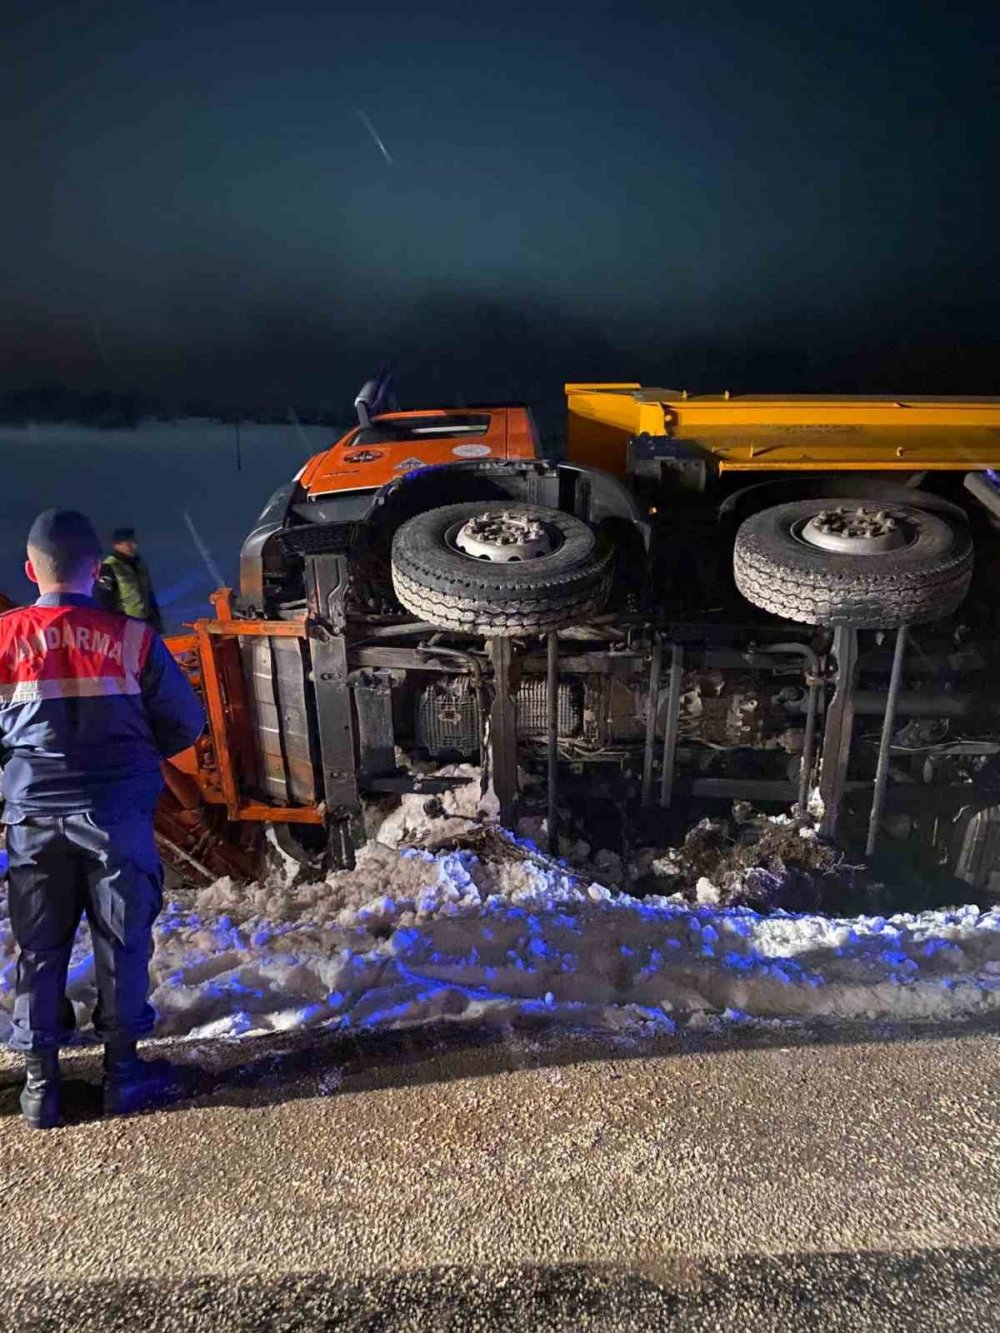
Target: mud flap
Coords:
[(344, 834)]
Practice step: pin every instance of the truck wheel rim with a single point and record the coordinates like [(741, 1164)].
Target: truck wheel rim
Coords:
[(502, 537), (859, 531)]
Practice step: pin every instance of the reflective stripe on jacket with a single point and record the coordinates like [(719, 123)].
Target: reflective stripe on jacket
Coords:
[(89, 703)]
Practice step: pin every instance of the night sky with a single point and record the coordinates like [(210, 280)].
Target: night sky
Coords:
[(708, 194)]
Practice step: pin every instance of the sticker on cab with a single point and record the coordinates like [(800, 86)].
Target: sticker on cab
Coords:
[(408, 464), (471, 450)]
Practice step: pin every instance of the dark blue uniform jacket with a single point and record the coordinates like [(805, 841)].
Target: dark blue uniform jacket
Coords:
[(90, 702)]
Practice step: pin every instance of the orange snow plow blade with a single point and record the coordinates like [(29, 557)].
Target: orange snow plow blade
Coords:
[(209, 821)]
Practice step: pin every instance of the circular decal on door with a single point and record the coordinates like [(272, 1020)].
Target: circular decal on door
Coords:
[(471, 450)]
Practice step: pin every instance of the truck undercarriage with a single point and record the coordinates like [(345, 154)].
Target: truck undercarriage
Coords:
[(620, 653)]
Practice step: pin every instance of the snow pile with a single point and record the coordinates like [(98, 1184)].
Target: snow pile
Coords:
[(430, 821), (755, 860), (412, 935)]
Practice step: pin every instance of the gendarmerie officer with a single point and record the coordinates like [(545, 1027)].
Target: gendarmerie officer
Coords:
[(90, 702)]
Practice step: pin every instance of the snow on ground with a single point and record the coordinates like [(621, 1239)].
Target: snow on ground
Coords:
[(412, 935), (149, 478)]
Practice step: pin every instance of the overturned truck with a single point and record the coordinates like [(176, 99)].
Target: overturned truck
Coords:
[(785, 601)]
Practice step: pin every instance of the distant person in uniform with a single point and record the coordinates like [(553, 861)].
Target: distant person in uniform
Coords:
[(90, 703), (124, 584)]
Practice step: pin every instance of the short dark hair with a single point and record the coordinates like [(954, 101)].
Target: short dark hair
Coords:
[(61, 542), (122, 535)]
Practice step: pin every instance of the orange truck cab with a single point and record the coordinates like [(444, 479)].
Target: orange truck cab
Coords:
[(396, 443)]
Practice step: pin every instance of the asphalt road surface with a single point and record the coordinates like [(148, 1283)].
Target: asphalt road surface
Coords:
[(485, 1180)]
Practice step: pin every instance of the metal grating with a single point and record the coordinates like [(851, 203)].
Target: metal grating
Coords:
[(531, 702), (448, 714), (448, 718), (979, 860), (317, 539)]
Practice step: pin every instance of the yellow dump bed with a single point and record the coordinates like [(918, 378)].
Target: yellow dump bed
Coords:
[(787, 433)]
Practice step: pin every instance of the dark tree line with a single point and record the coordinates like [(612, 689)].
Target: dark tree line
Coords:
[(455, 347), (108, 409), (58, 403)]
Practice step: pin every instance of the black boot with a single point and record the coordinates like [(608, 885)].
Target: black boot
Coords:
[(131, 1083), (40, 1095)]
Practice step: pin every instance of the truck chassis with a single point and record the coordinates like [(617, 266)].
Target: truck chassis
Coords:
[(666, 693)]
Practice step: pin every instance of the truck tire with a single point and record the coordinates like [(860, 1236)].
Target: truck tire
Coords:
[(800, 561), (560, 577)]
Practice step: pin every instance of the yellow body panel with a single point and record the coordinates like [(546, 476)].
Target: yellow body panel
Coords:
[(787, 433)]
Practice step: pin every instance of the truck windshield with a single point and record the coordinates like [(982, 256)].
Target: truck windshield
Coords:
[(410, 429)]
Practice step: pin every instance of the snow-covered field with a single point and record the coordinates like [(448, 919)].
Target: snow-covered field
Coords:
[(148, 478), (413, 935)]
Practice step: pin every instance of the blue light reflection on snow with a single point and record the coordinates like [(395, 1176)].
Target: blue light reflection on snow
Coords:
[(524, 945)]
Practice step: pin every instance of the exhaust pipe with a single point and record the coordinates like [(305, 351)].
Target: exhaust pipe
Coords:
[(376, 396), (984, 486)]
